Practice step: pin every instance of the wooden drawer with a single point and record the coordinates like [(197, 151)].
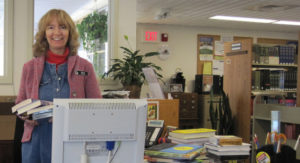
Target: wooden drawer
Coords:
[(188, 104)]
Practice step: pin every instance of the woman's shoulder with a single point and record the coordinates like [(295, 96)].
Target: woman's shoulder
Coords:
[(34, 60), (34, 63)]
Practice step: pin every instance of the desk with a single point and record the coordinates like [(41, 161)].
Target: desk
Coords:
[(168, 111)]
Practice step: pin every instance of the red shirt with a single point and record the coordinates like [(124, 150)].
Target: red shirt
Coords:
[(58, 59)]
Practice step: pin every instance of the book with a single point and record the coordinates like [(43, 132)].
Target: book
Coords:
[(228, 153), (189, 141), (243, 147), (42, 114), (21, 104), (38, 109), (175, 151), (32, 105), (192, 133), (226, 140)]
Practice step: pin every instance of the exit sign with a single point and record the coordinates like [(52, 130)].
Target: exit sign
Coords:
[(150, 36)]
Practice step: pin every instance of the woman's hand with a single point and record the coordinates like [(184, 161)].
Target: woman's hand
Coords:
[(26, 119)]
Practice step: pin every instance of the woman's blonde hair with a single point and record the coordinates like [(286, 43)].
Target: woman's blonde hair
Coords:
[(41, 46)]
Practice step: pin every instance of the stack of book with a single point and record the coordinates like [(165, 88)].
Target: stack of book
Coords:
[(229, 145), (170, 152), (191, 136), (38, 109)]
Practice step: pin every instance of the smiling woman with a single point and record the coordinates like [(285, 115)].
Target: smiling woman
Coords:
[(96, 50), (6, 28)]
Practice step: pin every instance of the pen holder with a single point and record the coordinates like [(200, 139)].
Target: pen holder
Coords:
[(286, 154)]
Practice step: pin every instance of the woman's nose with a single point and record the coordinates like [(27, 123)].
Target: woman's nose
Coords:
[(57, 31)]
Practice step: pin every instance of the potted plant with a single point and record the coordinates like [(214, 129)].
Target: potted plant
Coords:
[(93, 34), (93, 30), (129, 69)]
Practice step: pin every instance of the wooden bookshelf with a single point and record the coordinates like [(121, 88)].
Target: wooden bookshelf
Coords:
[(262, 121), (237, 79)]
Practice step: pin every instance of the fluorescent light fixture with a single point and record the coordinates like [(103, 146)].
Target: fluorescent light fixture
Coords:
[(287, 22), (242, 19)]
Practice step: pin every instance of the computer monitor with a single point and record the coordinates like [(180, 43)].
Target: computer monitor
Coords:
[(81, 128)]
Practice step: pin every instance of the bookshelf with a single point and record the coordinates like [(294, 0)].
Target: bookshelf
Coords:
[(238, 67), (262, 121)]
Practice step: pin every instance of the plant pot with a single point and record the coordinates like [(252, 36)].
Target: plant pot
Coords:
[(135, 90)]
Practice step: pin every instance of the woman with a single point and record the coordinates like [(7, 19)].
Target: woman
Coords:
[(55, 72)]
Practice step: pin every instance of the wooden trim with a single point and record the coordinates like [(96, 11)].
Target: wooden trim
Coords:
[(273, 41), (237, 38), (7, 98)]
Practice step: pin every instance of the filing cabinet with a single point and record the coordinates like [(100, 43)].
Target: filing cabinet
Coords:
[(188, 109)]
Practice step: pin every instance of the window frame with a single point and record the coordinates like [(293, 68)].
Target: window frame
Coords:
[(8, 42)]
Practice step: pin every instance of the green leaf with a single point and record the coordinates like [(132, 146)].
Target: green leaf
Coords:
[(126, 37)]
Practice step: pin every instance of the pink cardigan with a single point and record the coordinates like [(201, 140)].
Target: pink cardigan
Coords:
[(81, 86)]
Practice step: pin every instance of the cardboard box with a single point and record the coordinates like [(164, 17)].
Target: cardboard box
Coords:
[(7, 127)]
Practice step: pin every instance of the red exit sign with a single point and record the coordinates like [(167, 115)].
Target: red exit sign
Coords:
[(150, 36)]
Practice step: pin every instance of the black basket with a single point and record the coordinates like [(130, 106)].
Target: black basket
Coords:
[(287, 154)]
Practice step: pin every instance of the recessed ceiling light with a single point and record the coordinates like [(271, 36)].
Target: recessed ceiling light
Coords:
[(242, 19), (287, 22)]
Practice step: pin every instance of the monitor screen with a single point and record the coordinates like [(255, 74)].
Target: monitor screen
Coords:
[(82, 128)]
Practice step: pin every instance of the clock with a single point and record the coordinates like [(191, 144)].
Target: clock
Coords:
[(164, 52)]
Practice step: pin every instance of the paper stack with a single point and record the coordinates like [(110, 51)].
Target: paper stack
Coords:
[(197, 136)]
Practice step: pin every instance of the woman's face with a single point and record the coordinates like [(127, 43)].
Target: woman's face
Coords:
[(57, 36)]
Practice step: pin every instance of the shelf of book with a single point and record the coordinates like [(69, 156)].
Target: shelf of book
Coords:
[(272, 92), (240, 61), (262, 122), (274, 65)]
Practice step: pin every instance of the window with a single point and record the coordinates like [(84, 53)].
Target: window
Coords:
[(94, 41), (6, 29)]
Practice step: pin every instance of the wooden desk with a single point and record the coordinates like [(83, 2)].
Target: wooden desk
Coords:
[(7, 129), (168, 111)]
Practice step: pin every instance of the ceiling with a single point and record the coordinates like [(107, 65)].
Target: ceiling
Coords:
[(197, 12)]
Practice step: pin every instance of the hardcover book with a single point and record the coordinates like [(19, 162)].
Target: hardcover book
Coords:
[(38, 109), (228, 153), (21, 104), (33, 104), (226, 140), (243, 147)]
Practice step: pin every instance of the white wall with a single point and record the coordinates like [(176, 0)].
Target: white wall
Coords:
[(183, 45)]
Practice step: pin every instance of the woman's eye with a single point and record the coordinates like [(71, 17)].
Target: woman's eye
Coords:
[(50, 27), (62, 27)]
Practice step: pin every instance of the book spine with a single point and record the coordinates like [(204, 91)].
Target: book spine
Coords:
[(230, 142)]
